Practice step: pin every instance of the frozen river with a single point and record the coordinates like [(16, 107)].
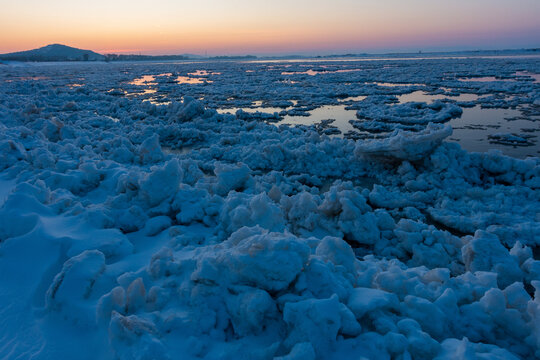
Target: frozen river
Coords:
[(381, 209), (492, 103)]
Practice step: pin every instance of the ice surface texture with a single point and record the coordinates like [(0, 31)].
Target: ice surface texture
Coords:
[(141, 231)]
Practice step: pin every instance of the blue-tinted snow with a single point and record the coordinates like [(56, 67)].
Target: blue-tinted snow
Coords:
[(136, 221), (331, 90)]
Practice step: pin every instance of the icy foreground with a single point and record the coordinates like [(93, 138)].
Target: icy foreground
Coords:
[(136, 231)]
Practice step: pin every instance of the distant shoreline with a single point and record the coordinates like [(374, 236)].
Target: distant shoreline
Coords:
[(381, 57), (63, 53)]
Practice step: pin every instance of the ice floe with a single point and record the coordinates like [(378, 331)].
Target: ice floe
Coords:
[(136, 230)]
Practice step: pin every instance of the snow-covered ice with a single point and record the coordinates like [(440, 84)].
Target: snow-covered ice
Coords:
[(162, 229)]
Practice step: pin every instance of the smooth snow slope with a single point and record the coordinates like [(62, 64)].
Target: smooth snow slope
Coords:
[(130, 230)]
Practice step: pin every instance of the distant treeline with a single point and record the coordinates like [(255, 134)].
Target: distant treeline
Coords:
[(117, 57), (76, 55), (340, 56), (45, 58), (244, 57)]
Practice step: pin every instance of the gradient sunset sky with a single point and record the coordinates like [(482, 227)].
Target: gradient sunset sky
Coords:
[(269, 27)]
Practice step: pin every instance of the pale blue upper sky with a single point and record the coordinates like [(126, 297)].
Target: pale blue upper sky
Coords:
[(278, 26)]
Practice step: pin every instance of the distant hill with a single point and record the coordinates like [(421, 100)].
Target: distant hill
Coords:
[(54, 52), (57, 52)]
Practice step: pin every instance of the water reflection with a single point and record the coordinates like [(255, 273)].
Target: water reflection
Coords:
[(191, 80), (307, 72), (261, 109), (422, 96), (315, 72), (353, 98), (473, 128), (144, 80), (482, 79), (144, 92), (477, 129), (150, 80), (387, 84), (536, 77), (336, 112)]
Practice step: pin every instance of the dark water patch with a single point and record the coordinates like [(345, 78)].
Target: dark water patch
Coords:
[(476, 125)]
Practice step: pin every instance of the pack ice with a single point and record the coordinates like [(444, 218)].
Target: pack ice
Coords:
[(130, 230)]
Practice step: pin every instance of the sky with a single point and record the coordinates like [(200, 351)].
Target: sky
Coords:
[(265, 27)]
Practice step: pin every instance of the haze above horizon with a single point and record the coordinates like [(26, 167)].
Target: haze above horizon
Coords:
[(270, 28)]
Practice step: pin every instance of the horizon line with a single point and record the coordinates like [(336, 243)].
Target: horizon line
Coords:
[(394, 51)]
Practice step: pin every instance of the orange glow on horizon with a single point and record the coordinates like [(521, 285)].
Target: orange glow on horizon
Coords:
[(242, 27)]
